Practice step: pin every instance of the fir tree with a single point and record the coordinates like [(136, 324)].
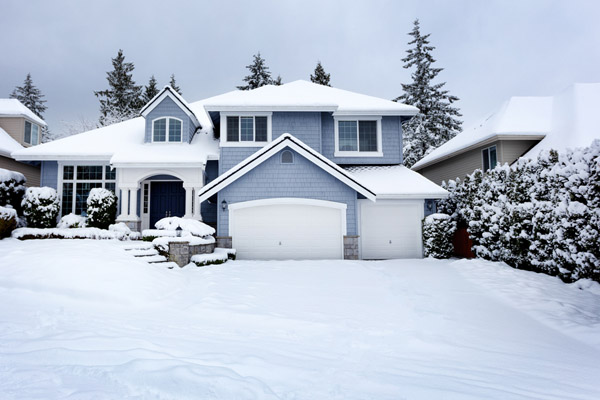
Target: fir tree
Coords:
[(173, 84), (259, 74), (150, 90), (278, 82), (30, 96), (321, 77), (436, 123), (123, 98)]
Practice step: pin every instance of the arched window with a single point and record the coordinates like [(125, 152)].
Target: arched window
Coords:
[(166, 130), (287, 157)]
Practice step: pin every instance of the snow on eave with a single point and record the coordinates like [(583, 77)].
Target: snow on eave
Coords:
[(168, 91), (8, 144), (14, 108)]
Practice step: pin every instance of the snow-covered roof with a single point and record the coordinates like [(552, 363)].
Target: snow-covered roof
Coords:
[(8, 144), (168, 91), (569, 119), (397, 182), (306, 96), (14, 108), (519, 117)]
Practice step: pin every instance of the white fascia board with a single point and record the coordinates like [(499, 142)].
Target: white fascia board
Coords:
[(217, 108), (415, 196), (385, 113), (159, 165), (61, 157), (167, 93)]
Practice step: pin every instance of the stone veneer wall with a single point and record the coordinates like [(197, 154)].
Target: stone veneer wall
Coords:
[(350, 247), (224, 242), (181, 252)]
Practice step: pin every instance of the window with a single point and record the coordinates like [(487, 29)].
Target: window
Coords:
[(166, 130), (78, 180), (357, 137), (146, 200), (32, 133), (489, 158), (246, 129), (287, 157)]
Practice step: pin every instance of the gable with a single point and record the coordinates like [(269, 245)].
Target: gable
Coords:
[(168, 108)]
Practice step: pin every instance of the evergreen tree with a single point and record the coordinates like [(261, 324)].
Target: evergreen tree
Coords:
[(150, 90), (321, 77), (173, 84), (259, 74), (436, 123), (278, 82), (123, 99), (30, 96)]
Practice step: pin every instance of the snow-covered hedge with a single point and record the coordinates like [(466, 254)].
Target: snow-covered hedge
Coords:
[(438, 231), (541, 214), (8, 221), (12, 188), (72, 233), (72, 221), (219, 256), (101, 208), (41, 207), (194, 227)]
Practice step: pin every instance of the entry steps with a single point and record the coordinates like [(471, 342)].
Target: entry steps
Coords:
[(145, 251)]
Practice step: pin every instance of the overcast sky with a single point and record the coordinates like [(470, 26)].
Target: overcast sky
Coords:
[(490, 50)]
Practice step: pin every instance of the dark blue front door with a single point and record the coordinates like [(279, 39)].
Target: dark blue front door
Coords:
[(167, 199)]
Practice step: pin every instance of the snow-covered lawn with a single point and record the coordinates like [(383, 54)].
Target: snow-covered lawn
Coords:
[(82, 319)]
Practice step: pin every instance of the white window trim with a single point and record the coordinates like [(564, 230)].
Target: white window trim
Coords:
[(225, 143), (338, 153), (32, 124), (489, 159), (167, 130), (74, 181)]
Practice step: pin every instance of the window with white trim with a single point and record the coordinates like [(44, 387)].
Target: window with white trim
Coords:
[(358, 137), (243, 130), (32, 133), (167, 129), (490, 158), (78, 180)]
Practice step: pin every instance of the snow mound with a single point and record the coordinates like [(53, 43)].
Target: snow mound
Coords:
[(72, 221), (162, 242), (194, 227)]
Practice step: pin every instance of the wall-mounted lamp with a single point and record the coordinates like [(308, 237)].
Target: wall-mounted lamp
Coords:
[(223, 205), (178, 231)]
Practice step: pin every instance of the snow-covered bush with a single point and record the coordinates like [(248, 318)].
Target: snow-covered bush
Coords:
[(438, 231), (8, 221), (187, 225), (12, 188), (72, 221), (41, 207), (101, 208)]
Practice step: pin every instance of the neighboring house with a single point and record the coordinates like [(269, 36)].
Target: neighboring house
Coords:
[(19, 128), (293, 171), (521, 127)]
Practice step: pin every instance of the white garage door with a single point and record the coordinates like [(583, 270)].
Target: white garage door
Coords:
[(280, 229), (391, 229)]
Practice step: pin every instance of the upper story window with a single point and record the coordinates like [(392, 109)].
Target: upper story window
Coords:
[(358, 137), (32, 133), (166, 129), (245, 130), (489, 158)]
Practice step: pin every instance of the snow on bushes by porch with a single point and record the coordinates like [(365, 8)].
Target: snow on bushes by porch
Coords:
[(219, 256), (194, 227), (41, 207), (72, 221), (101, 208), (162, 242), (12, 188), (8, 221), (72, 233), (438, 231)]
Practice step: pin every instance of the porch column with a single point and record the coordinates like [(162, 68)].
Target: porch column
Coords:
[(188, 202), (197, 205), (124, 204), (133, 203)]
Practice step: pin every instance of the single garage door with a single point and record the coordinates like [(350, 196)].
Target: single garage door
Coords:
[(391, 229), (280, 229)]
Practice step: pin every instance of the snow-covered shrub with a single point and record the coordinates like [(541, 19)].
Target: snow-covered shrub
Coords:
[(41, 207), (187, 225), (101, 208), (438, 231), (72, 221), (12, 189), (8, 221)]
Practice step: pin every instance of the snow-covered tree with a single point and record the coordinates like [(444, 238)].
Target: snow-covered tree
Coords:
[(438, 230), (321, 77), (259, 74), (150, 90), (30, 96), (278, 82), (122, 100), (173, 84), (437, 120)]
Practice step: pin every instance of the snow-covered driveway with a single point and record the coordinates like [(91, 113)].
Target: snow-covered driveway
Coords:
[(82, 319)]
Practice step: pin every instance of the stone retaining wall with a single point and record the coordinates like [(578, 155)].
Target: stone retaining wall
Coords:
[(181, 252), (350, 247)]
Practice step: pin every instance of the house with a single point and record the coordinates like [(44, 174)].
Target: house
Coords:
[(521, 127), (293, 171), (19, 128)]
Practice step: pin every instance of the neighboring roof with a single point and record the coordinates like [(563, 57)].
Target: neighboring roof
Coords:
[(306, 96), (168, 91), (8, 144), (517, 118), (14, 108), (397, 182), (284, 141)]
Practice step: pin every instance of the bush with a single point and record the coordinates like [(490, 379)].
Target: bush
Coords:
[(438, 231), (41, 207), (102, 208), (8, 221), (12, 189), (72, 221)]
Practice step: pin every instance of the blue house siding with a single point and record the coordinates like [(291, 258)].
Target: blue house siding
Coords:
[(302, 179), (208, 209), (306, 126), (391, 134), (49, 174), (168, 108)]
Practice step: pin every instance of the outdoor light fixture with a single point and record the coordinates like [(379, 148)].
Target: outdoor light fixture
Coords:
[(223, 205), (178, 231)]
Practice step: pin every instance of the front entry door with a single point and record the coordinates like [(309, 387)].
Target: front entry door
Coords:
[(167, 199)]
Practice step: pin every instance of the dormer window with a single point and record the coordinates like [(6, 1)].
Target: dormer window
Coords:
[(245, 129), (358, 137), (32, 133), (167, 129)]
